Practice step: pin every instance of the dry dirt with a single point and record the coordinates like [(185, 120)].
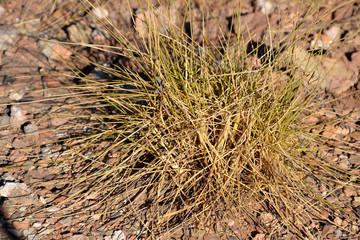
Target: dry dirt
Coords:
[(32, 74)]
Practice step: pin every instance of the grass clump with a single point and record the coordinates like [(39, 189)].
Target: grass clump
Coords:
[(190, 134)]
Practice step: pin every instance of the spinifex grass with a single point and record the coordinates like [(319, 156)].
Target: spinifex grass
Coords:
[(194, 136)]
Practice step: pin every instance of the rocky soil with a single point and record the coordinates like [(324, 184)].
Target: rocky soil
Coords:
[(33, 91)]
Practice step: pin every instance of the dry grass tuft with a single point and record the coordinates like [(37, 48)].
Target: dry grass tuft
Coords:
[(192, 135)]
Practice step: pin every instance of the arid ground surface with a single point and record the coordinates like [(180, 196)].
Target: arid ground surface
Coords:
[(34, 75)]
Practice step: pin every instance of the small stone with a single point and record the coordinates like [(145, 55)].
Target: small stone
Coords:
[(324, 41), (327, 230), (78, 237), (25, 200), (28, 165), (211, 29), (328, 114), (265, 6), (27, 231), (58, 121), (46, 151), (337, 151), (231, 222), (55, 51), (210, 237), (355, 135), (4, 120), (13, 189), (355, 228), (118, 235), (53, 209), (329, 131), (254, 23), (8, 209), (45, 225), (52, 221), (337, 233), (355, 159), (345, 223), (7, 177), (8, 35), (356, 202), (312, 225), (17, 115), (161, 18), (333, 32), (349, 191), (78, 33), (52, 82), (342, 197), (60, 199), (19, 225), (337, 221), (341, 74), (19, 143), (96, 216), (30, 128), (259, 236), (310, 120), (61, 135), (344, 165), (37, 224), (267, 218), (66, 221), (100, 13), (16, 96), (96, 233), (310, 181), (45, 231), (32, 237), (22, 209), (42, 200)]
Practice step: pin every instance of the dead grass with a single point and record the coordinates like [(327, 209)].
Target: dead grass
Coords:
[(191, 135)]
